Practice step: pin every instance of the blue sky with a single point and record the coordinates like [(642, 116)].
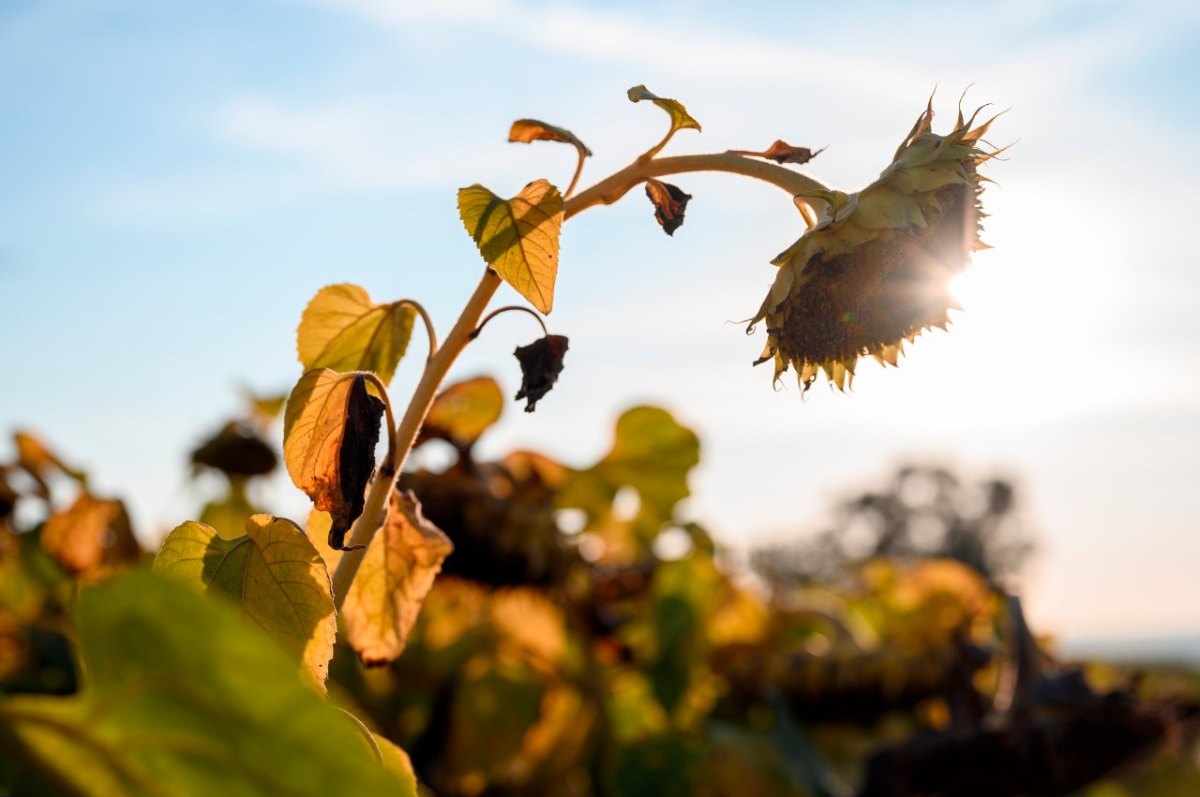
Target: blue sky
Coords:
[(181, 177)]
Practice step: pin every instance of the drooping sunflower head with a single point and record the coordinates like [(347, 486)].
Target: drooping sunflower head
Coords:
[(874, 272)]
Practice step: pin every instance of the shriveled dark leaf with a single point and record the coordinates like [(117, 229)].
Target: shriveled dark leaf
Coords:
[(525, 131), (782, 152), (330, 431), (357, 456), (541, 363), (670, 202), (236, 450)]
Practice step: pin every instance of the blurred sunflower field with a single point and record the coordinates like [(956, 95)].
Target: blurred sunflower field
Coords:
[(583, 638)]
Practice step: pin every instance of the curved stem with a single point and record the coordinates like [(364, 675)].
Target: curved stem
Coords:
[(583, 153), (430, 332), (505, 309), (657, 148), (375, 509), (612, 188), (605, 192)]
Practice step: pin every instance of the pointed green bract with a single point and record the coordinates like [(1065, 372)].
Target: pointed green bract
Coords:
[(518, 237), (183, 698), (343, 330), (272, 573)]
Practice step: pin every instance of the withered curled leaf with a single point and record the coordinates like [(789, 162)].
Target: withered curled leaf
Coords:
[(526, 131), (396, 574), (541, 363), (670, 202), (782, 152), (330, 430)]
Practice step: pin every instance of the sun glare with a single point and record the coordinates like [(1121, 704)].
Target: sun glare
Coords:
[(1034, 312)]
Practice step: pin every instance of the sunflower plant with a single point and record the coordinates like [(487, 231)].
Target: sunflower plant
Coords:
[(869, 272)]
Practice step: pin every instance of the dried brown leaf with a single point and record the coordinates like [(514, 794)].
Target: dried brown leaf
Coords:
[(330, 430), (669, 202), (782, 152), (541, 363), (525, 131)]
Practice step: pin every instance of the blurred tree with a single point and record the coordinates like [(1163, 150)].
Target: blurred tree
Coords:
[(923, 512)]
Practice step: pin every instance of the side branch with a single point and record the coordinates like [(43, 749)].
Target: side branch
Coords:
[(612, 188)]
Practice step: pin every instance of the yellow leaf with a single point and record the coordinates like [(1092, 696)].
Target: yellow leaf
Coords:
[(273, 574), (90, 536), (518, 237), (396, 573), (330, 430), (463, 411), (342, 329), (680, 118), (525, 131)]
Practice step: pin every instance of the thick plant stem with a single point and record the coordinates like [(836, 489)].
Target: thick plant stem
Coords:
[(612, 188), (605, 192), (375, 510)]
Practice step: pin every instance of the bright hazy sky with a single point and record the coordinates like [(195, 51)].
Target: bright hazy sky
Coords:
[(179, 178)]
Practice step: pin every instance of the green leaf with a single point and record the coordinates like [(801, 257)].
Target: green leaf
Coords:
[(330, 430), (183, 699), (396, 573), (685, 595), (397, 763), (272, 573), (525, 131), (463, 412), (518, 237), (342, 329), (652, 453), (680, 118)]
